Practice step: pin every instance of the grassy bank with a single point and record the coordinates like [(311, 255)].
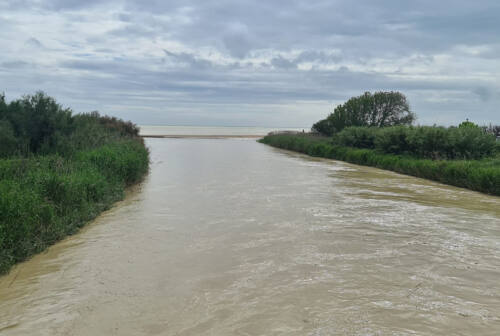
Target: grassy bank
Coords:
[(479, 175), (52, 190)]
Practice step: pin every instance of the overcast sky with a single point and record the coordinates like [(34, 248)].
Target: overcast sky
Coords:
[(263, 63)]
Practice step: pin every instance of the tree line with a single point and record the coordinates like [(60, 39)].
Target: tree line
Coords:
[(380, 109), (383, 121), (37, 124)]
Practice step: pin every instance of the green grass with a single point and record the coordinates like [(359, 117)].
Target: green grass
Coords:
[(479, 175), (45, 198)]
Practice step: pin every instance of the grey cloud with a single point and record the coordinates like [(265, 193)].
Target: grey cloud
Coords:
[(237, 39), (492, 52), (320, 56), (125, 17), (34, 43), (479, 25), (14, 64), (483, 93), (169, 57), (134, 30), (237, 45), (189, 60), (87, 65), (283, 63), (68, 4)]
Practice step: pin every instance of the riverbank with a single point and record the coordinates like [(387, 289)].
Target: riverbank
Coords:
[(479, 175), (58, 171), (45, 198)]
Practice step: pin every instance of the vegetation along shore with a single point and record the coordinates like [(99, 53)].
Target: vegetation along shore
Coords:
[(58, 171), (375, 130)]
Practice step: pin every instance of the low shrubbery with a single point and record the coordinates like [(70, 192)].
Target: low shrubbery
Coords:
[(480, 175), (361, 137), (468, 142), (54, 180)]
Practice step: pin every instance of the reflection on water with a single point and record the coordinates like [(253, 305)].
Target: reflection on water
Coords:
[(231, 237)]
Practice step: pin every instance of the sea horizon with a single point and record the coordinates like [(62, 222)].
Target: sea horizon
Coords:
[(166, 130)]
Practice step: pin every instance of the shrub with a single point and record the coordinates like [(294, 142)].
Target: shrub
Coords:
[(44, 198), (8, 141), (393, 140), (361, 137), (58, 171), (429, 142), (468, 143), (38, 124)]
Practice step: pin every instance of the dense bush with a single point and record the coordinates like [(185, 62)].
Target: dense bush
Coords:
[(422, 142), (38, 124), (58, 171), (8, 141), (480, 175), (127, 161), (361, 137), (44, 198)]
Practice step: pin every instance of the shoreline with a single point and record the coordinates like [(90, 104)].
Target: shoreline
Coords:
[(196, 136), (476, 175), (63, 195)]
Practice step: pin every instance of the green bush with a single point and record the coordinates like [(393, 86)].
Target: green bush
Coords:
[(44, 198), (360, 137), (393, 140), (467, 143), (37, 124), (59, 171), (429, 142), (8, 141), (471, 143), (125, 160)]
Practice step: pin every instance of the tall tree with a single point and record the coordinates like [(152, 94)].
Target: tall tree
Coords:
[(379, 109)]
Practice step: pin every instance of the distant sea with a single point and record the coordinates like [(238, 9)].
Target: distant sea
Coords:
[(211, 130)]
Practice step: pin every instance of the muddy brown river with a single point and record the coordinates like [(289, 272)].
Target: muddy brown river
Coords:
[(231, 237)]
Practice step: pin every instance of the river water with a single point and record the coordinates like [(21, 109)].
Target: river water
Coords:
[(231, 237)]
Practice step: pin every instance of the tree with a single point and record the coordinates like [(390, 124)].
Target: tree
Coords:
[(37, 124), (379, 110), (8, 141), (323, 126), (37, 121), (467, 124)]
